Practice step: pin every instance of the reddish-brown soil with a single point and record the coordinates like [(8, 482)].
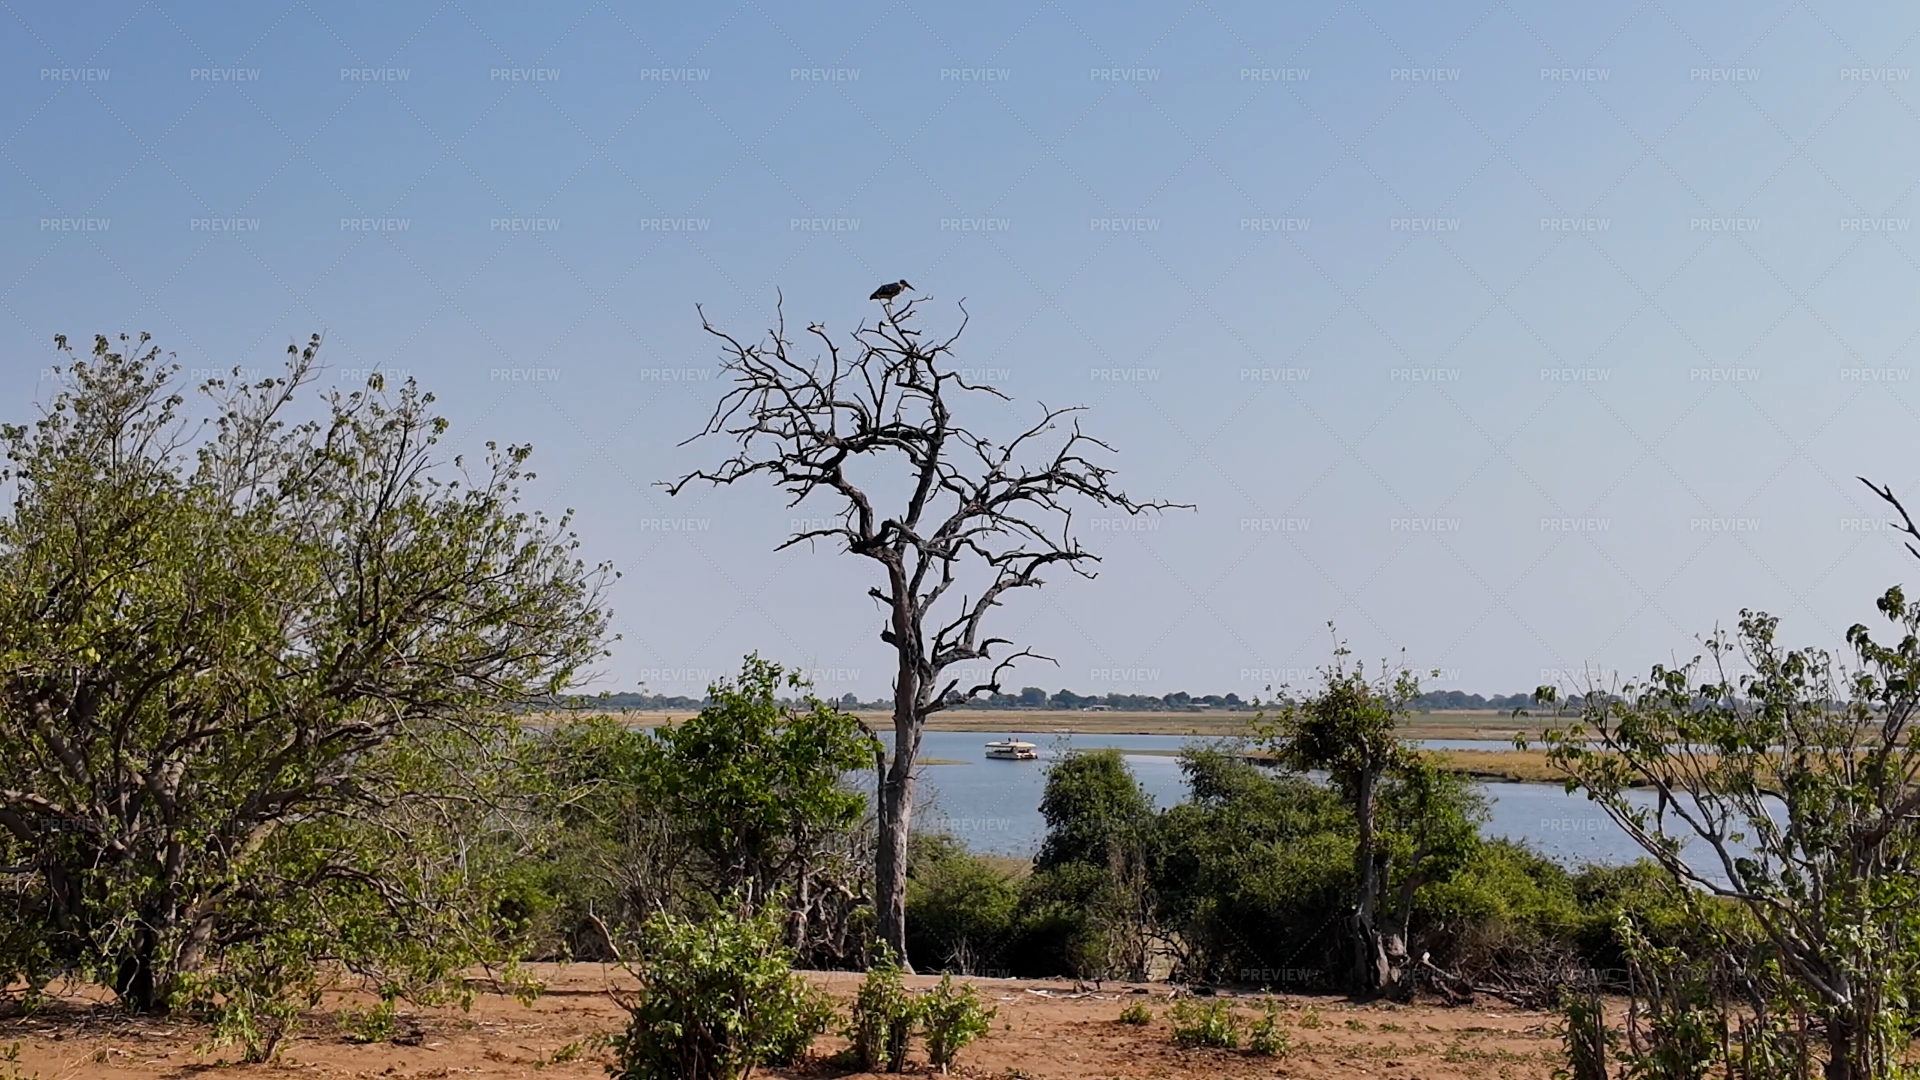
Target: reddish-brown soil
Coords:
[(1045, 1029)]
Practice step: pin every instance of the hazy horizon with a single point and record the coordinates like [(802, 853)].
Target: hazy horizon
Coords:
[(1529, 340)]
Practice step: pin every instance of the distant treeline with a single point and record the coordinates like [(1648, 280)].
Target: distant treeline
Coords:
[(1033, 697)]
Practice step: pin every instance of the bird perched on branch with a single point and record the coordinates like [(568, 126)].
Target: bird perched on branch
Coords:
[(890, 290)]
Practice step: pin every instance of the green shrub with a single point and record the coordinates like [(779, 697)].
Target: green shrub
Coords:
[(952, 1017), (961, 910), (1583, 1030), (1248, 867), (1136, 1014), (1088, 908), (370, 1025), (1092, 803), (1676, 1029), (813, 1014), (1505, 884), (1645, 893), (1267, 1038), (254, 995), (1056, 932), (1209, 1024), (717, 998), (883, 1018), (750, 794), (10, 1064), (26, 959)]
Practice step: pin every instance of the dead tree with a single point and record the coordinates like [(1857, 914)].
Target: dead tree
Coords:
[(842, 426)]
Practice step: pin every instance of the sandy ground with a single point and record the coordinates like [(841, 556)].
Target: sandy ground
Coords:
[(1045, 1030)]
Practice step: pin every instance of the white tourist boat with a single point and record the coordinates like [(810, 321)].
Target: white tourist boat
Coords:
[(1010, 749)]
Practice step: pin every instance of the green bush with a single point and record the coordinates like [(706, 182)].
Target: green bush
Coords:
[(952, 1017), (26, 959), (1268, 1039), (1583, 1031), (884, 1015), (813, 1013), (1088, 909), (1646, 894), (749, 795), (10, 1064), (1136, 1014), (717, 998), (1678, 1026), (1209, 1024), (1056, 931), (1248, 868), (962, 911), (1504, 882), (254, 995), (1092, 803), (370, 1025)]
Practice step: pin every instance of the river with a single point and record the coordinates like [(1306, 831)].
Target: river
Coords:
[(994, 806)]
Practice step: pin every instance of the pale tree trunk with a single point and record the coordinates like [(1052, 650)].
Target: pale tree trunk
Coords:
[(890, 862), (896, 782), (1371, 969), (803, 895)]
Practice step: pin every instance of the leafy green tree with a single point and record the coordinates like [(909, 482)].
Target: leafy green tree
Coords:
[(1350, 729), (614, 854), (1092, 877), (1429, 828), (1092, 804), (1248, 869), (757, 787), (748, 800), (1799, 786), (230, 658)]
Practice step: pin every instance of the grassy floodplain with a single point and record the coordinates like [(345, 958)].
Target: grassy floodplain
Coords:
[(1465, 724)]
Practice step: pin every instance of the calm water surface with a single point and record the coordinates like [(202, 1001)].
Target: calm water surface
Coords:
[(994, 806)]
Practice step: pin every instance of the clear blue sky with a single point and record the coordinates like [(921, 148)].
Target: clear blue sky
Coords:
[(1522, 336)]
